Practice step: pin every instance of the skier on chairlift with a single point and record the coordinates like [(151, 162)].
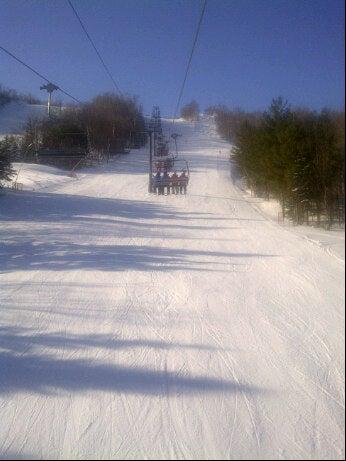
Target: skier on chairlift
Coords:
[(175, 183), (157, 180), (183, 182), (166, 180)]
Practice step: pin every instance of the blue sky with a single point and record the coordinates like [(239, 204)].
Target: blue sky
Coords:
[(249, 51)]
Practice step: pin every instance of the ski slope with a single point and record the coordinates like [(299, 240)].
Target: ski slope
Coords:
[(32, 176), (165, 327)]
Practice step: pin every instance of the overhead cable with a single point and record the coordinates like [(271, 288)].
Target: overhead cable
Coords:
[(190, 59), (38, 73), (94, 46)]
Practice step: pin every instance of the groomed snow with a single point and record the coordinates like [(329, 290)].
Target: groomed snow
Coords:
[(169, 327), (31, 176), (332, 241)]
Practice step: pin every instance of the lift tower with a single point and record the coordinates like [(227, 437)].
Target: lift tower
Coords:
[(49, 87)]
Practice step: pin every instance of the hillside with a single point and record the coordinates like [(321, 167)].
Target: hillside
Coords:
[(166, 327)]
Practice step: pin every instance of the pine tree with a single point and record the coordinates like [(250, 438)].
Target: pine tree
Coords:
[(6, 171), (296, 157)]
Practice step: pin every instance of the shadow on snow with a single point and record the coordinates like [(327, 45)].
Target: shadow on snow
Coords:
[(68, 216), (70, 256), (50, 375)]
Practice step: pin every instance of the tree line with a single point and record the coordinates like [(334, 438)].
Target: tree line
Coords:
[(190, 111), (293, 155), (107, 124), (8, 95)]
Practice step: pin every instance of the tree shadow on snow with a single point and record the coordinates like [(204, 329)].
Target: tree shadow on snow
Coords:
[(51, 207), (88, 212), (19, 340), (56, 256), (47, 374), (71, 219)]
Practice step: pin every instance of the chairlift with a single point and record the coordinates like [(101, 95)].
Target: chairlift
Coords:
[(127, 148), (175, 136), (163, 164), (174, 182), (163, 159), (162, 148)]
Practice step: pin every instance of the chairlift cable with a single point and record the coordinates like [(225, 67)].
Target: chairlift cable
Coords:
[(37, 73), (190, 59), (94, 46)]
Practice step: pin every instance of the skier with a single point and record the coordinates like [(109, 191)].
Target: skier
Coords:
[(157, 180), (175, 183), (166, 181), (183, 182)]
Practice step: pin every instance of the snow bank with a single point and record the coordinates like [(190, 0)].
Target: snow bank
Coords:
[(32, 176), (332, 241)]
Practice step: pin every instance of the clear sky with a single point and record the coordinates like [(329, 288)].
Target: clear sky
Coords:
[(249, 51)]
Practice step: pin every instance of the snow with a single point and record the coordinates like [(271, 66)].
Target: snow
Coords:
[(15, 115), (332, 241), (165, 327), (36, 176)]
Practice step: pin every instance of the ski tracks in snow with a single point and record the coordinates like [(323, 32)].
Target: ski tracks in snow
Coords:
[(215, 332)]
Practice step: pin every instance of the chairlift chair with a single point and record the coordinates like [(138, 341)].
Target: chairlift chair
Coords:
[(127, 148), (175, 183)]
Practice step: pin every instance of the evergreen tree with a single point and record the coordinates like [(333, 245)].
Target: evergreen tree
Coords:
[(296, 157), (6, 149)]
